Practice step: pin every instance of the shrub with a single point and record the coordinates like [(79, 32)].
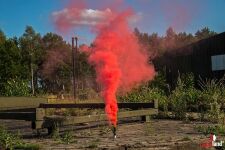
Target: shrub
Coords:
[(12, 141), (145, 94), (16, 87), (159, 82), (184, 96), (8, 140), (212, 96)]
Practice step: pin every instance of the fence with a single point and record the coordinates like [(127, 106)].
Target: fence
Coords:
[(34, 110)]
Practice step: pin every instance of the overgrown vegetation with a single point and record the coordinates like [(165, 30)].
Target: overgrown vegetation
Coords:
[(16, 87), (66, 137), (9, 141), (213, 95), (205, 97), (184, 96), (154, 90), (42, 64), (211, 129)]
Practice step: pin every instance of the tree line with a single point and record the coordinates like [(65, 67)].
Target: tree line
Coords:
[(33, 64), (158, 45)]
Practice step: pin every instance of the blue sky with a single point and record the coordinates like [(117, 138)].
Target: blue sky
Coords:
[(156, 15)]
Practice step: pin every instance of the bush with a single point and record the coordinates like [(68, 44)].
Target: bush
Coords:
[(153, 90), (145, 94), (184, 96), (213, 96), (159, 82), (15, 87), (8, 140)]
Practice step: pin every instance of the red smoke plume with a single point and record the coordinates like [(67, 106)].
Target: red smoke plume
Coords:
[(120, 62)]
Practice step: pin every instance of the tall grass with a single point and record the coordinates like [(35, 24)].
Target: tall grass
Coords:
[(213, 94)]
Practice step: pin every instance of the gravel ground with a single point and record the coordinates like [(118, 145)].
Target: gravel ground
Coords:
[(134, 134)]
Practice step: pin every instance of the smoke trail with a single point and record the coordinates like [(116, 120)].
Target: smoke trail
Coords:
[(120, 62)]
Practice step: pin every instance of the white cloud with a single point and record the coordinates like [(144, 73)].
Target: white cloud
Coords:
[(88, 17)]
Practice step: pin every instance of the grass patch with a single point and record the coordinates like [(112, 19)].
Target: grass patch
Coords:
[(27, 147), (211, 129), (65, 138), (11, 141)]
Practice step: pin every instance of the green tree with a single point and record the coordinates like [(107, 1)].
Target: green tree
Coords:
[(169, 41), (33, 53), (56, 69), (152, 42), (183, 39), (11, 69), (2, 37), (204, 33)]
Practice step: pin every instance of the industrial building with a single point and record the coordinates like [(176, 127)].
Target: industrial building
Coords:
[(205, 58)]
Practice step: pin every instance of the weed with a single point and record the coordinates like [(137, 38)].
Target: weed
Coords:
[(104, 130), (211, 129), (12, 141), (27, 147), (213, 95), (55, 135), (67, 137)]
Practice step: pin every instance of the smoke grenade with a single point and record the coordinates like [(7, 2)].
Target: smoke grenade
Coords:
[(114, 132)]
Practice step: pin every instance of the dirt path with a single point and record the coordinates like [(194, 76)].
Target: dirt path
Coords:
[(158, 134)]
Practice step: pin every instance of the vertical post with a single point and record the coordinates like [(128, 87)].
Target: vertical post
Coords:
[(76, 64), (156, 104), (74, 58), (73, 69), (39, 118)]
